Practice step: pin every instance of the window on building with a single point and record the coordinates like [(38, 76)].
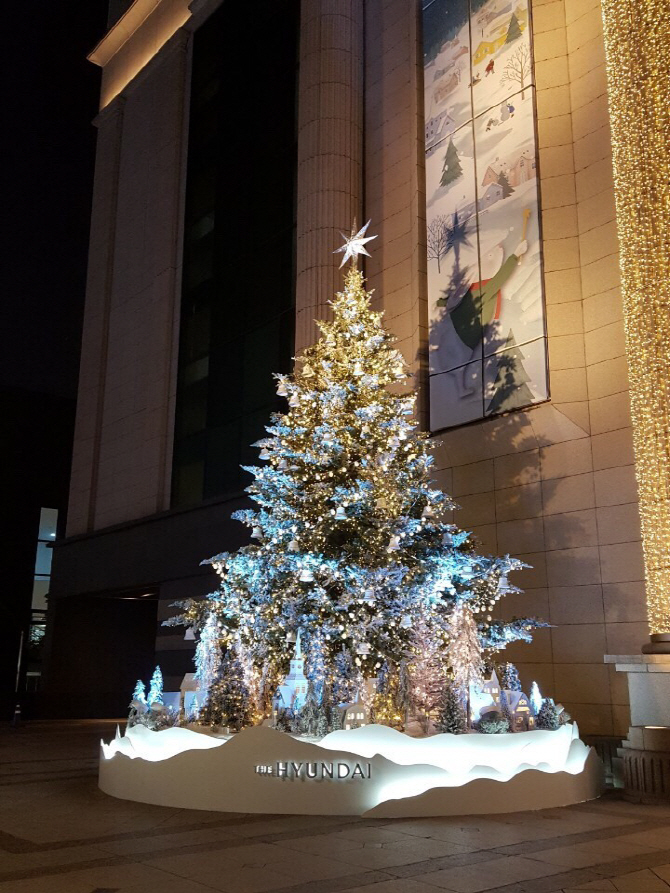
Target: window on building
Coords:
[(237, 315), (41, 582)]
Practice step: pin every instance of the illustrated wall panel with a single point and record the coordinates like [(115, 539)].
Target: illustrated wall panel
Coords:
[(486, 308)]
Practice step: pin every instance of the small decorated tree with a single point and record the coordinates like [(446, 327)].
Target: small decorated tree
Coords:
[(228, 704), (505, 711), (155, 695), (509, 678), (465, 654), (208, 654), (451, 713), (535, 698), (548, 717)]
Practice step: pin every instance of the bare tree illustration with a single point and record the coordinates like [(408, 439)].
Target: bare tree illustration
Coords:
[(517, 70), (438, 238)]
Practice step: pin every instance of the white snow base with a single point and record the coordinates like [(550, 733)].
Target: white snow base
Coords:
[(381, 772)]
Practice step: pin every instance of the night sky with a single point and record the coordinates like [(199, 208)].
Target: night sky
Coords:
[(49, 98)]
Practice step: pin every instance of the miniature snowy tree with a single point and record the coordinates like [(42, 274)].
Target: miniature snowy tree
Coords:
[(535, 698), (509, 678), (465, 654), (315, 669), (310, 711), (451, 715), (138, 704), (349, 534), (155, 695), (451, 167), (208, 654), (321, 725), (548, 716), (347, 680), (505, 711), (228, 703), (493, 724), (428, 673)]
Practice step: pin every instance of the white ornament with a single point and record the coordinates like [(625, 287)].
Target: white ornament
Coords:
[(428, 512), (405, 621), (340, 514), (354, 244), (369, 596), (291, 637), (358, 369), (307, 370), (294, 401), (257, 533), (447, 539), (293, 546), (264, 454), (394, 545), (363, 648), (503, 584), (306, 576), (281, 390)]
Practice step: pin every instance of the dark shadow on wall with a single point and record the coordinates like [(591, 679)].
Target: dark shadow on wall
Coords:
[(106, 644), (512, 434)]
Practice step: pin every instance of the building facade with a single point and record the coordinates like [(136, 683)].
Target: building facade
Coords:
[(234, 143)]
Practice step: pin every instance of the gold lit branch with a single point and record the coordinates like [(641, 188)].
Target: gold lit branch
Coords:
[(637, 43)]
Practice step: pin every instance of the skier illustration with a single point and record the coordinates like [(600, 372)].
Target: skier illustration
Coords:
[(489, 68), (473, 307)]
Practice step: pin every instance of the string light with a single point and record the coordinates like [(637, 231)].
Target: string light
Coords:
[(637, 45)]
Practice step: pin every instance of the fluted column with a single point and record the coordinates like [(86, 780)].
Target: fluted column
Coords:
[(637, 42), (330, 151)]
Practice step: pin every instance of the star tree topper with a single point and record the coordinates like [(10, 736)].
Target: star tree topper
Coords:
[(354, 244)]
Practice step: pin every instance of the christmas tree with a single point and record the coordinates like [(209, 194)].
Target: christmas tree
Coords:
[(548, 716), (509, 678), (451, 715), (155, 695), (535, 698), (208, 654), (451, 168), (350, 547), (229, 703)]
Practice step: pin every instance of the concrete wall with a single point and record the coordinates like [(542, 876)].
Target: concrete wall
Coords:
[(554, 485), (123, 437)]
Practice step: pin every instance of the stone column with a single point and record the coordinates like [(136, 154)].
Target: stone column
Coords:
[(637, 43), (330, 151), (93, 363)]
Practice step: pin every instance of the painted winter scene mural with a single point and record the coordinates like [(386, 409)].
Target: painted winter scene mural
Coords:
[(486, 311)]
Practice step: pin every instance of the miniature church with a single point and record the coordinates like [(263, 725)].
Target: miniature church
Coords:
[(518, 704), (292, 693)]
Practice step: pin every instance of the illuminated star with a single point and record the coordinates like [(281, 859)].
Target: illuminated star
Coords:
[(354, 245)]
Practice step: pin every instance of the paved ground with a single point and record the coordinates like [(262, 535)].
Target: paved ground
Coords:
[(60, 834)]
